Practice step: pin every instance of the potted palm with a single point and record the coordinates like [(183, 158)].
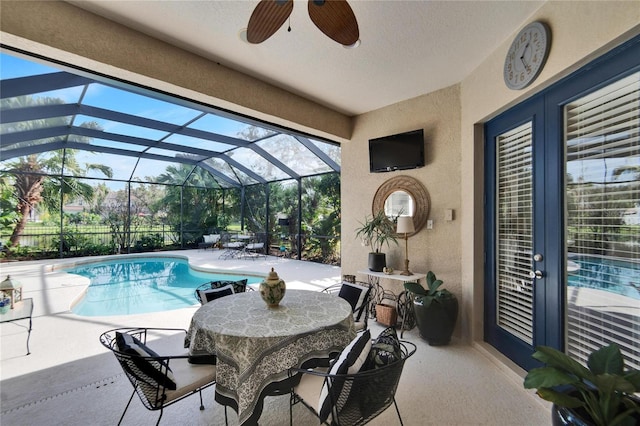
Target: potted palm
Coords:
[(375, 231), (600, 394), (435, 308)]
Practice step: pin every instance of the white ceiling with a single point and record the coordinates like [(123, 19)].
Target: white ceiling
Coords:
[(408, 48)]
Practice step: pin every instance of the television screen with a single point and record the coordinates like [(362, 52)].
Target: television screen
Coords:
[(397, 152)]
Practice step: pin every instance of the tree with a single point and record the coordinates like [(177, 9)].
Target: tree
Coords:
[(31, 183)]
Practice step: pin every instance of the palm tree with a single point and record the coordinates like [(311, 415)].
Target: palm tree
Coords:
[(31, 183)]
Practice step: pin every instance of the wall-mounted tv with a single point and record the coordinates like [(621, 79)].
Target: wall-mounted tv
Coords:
[(397, 152)]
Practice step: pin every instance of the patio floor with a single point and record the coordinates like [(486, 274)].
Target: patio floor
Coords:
[(70, 379)]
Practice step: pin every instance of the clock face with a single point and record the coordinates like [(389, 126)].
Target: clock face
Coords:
[(527, 55)]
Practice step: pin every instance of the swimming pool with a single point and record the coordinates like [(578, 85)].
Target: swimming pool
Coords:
[(141, 285), (612, 275)]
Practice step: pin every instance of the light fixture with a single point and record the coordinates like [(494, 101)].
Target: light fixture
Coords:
[(405, 226)]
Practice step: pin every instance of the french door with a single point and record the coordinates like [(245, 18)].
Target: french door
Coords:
[(562, 212)]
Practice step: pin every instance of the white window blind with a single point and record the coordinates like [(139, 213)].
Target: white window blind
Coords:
[(602, 132), (515, 200)]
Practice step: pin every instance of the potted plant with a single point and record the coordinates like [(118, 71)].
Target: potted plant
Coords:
[(376, 231), (436, 310), (599, 394)]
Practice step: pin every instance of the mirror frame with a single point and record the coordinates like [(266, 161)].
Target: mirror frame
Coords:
[(415, 189)]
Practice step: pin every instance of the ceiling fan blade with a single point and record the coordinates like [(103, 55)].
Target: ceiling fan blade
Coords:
[(336, 19), (267, 17)]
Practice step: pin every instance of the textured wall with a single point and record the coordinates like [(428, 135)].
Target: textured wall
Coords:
[(437, 249)]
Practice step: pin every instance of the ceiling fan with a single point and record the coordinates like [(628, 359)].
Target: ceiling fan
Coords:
[(334, 18)]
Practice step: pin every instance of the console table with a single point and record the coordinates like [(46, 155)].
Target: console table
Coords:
[(402, 301), (22, 309)]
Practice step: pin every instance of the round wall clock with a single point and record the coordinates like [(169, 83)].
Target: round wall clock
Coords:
[(527, 55)]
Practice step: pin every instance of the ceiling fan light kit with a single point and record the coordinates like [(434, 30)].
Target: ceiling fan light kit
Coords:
[(334, 18)]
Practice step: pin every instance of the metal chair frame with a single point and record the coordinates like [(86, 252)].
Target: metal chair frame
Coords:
[(153, 396), (358, 398), (364, 315), (237, 287)]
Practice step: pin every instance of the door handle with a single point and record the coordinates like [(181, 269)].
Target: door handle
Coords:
[(536, 274)]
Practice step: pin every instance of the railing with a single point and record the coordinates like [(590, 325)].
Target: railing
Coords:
[(40, 241)]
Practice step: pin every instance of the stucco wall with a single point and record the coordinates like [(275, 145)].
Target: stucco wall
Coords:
[(436, 249)]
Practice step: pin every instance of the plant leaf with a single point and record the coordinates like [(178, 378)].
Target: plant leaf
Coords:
[(606, 360), (554, 358), (415, 288), (609, 383), (547, 377), (559, 398), (633, 377)]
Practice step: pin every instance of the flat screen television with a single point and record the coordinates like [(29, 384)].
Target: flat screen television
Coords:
[(397, 152)]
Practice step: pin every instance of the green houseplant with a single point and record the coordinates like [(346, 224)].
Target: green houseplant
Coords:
[(376, 231), (436, 310), (599, 394)]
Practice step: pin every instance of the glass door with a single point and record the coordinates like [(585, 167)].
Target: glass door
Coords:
[(562, 216), (602, 143)]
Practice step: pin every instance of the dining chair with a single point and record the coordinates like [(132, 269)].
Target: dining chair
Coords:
[(214, 289), (353, 392), (359, 297), (159, 380)]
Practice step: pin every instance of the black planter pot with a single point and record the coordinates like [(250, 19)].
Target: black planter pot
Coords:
[(563, 416), (437, 321), (377, 262)]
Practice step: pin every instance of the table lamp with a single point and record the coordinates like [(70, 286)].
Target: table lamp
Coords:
[(405, 226)]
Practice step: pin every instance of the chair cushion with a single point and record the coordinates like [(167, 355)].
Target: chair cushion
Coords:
[(356, 295), (215, 293), (350, 361), (385, 349), (152, 371), (207, 238)]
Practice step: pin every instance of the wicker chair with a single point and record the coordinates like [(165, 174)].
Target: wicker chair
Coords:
[(158, 380), (239, 286), (360, 299), (355, 398)]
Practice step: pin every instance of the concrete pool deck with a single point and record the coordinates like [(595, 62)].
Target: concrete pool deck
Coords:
[(70, 379), (74, 337)]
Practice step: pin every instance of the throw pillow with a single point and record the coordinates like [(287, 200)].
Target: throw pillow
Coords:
[(356, 295), (207, 296), (351, 360), (152, 372), (385, 349)]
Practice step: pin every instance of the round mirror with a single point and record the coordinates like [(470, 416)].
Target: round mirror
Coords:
[(405, 196), (399, 203)]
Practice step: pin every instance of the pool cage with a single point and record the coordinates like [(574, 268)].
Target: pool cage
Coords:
[(90, 165)]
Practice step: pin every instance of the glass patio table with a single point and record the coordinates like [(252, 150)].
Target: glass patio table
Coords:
[(22, 310), (256, 346)]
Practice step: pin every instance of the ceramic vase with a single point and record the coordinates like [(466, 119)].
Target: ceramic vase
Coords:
[(272, 289)]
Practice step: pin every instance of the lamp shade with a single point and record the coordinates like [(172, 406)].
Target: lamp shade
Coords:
[(405, 225)]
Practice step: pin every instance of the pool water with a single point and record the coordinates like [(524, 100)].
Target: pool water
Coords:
[(142, 285), (612, 275)]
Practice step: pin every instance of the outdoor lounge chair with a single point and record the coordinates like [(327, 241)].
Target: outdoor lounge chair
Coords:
[(254, 251), (356, 389), (158, 380)]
